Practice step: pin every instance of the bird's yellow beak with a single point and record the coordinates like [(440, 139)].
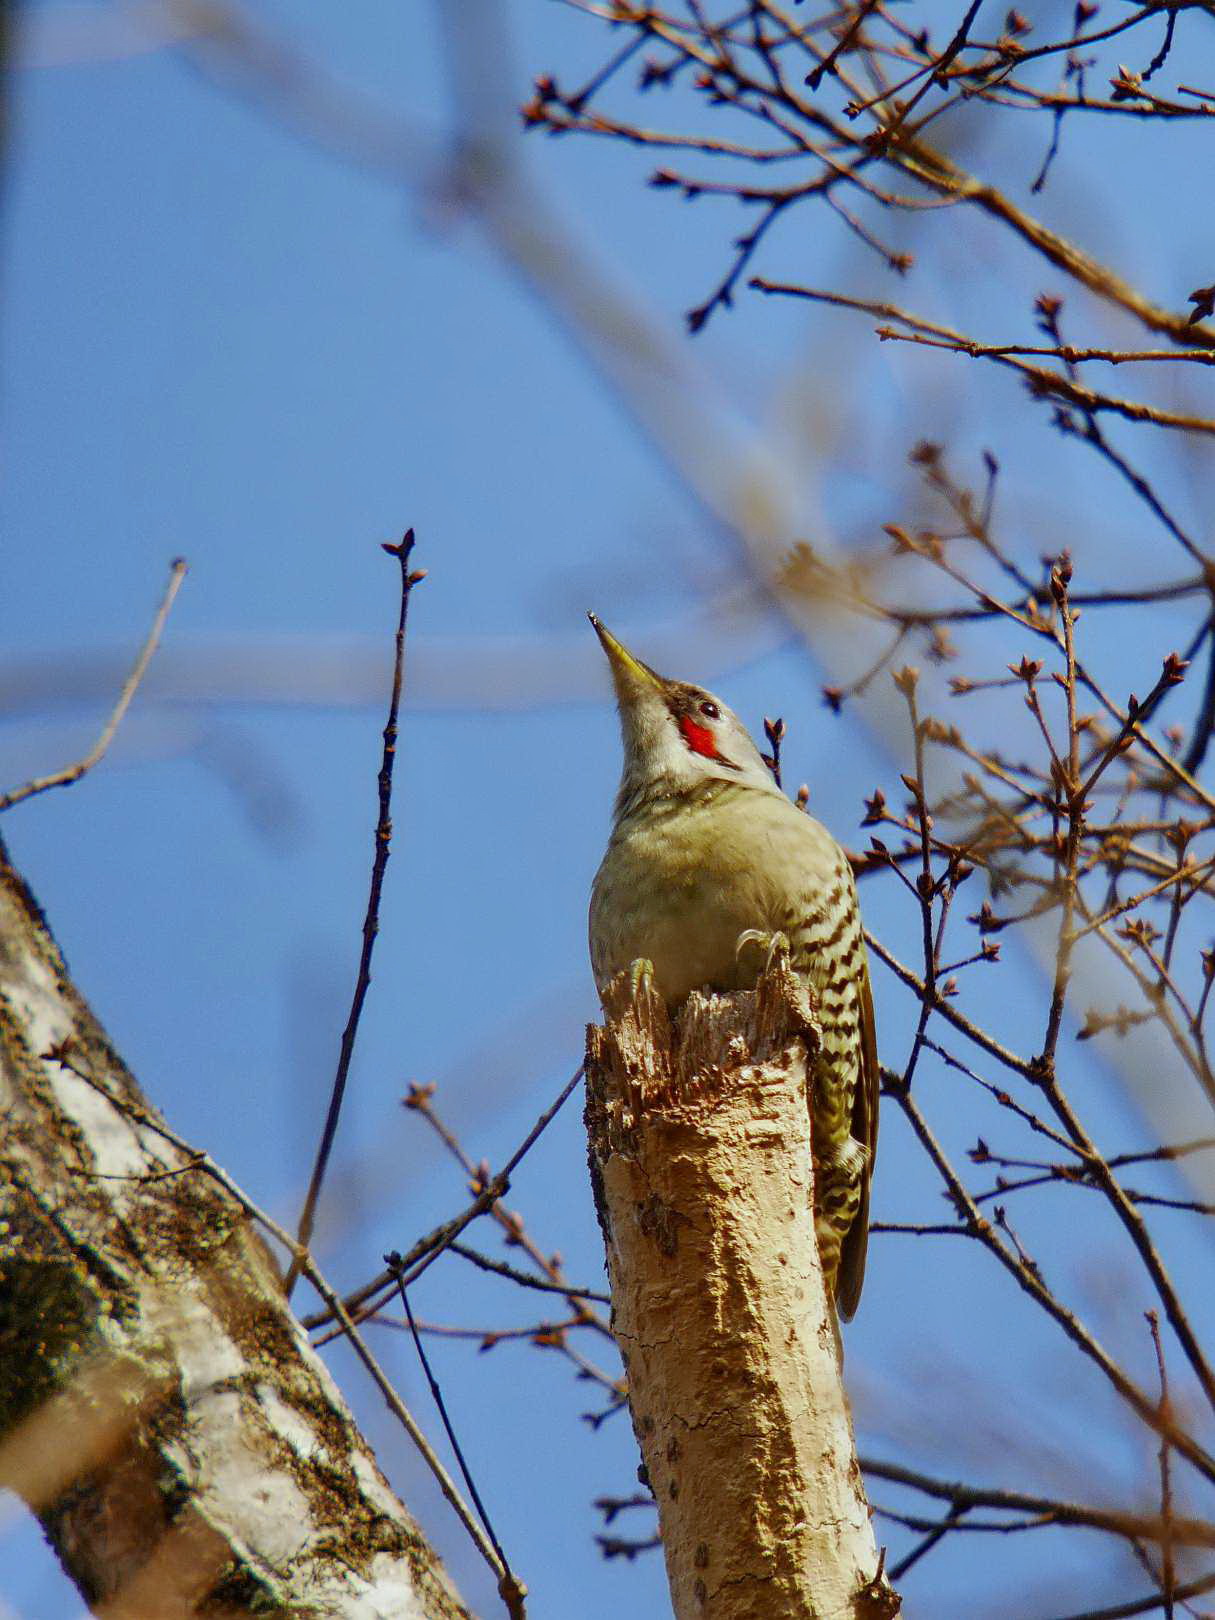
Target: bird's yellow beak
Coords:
[(630, 675)]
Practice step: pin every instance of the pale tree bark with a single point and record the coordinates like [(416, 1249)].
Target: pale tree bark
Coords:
[(700, 1155), (160, 1408)]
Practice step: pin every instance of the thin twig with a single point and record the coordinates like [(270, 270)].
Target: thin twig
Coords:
[(1029, 1277), (419, 1100), (1047, 1509), (371, 921), (73, 773), (1168, 1572), (511, 1590), (1143, 1605), (524, 1279), (428, 1250), (364, 1303)]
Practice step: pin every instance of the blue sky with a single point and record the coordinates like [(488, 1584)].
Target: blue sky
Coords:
[(221, 340)]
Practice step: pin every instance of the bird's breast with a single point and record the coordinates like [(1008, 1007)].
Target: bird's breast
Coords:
[(681, 881)]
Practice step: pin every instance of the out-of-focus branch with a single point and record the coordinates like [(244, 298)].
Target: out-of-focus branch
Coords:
[(1044, 1510)]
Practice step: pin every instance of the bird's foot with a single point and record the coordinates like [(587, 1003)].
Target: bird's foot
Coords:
[(632, 993), (631, 1000), (773, 947), (763, 961), (641, 978)]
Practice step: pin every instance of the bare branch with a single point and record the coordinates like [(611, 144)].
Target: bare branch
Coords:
[(73, 773)]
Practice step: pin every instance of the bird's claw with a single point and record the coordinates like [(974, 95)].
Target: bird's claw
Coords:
[(773, 945), (641, 978)]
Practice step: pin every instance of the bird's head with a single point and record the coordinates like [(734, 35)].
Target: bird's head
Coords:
[(675, 733)]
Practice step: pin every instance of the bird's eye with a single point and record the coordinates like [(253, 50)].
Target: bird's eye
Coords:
[(710, 710)]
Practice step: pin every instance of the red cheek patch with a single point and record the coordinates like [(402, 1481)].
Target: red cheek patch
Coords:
[(698, 738)]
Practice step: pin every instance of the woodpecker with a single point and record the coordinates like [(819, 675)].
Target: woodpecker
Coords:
[(708, 866)]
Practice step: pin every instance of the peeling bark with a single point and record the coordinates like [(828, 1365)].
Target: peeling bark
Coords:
[(160, 1408), (700, 1158)]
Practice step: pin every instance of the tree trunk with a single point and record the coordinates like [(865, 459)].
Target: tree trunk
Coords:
[(700, 1156), (160, 1408)]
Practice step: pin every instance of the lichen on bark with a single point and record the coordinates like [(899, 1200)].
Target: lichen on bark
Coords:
[(161, 1410)]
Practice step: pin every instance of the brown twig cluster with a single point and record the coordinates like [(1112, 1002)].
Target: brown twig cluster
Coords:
[(1068, 807), (1093, 836), (585, 1315), (848, 104)]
